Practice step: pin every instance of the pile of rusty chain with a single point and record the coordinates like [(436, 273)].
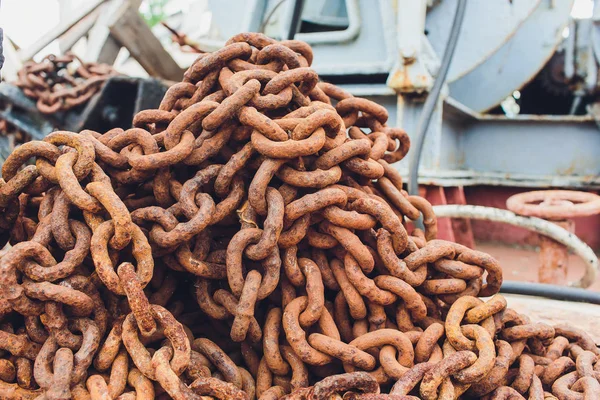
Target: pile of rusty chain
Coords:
[(250, 239), (59, 83)]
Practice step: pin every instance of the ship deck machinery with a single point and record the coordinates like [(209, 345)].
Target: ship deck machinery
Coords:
[(518, 110)]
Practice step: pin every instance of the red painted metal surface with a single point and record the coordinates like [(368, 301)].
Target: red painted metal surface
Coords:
[(463, 232), (554, 258), (436, 196), (454, 229)]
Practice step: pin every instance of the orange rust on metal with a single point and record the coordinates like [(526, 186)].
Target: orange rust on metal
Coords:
[(59, 83), (251, 239)]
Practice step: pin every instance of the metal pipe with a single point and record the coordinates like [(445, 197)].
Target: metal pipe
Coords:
[(296, 18), (432, 99), (551, 291), (537, 225)]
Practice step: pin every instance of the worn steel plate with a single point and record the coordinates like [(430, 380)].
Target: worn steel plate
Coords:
[(517, 61), (486, 27)]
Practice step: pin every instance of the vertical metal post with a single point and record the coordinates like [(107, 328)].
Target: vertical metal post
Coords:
[(296, 18), (411, 25), (554, 257)]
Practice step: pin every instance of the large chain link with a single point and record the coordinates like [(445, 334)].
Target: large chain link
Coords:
[(251, 239)]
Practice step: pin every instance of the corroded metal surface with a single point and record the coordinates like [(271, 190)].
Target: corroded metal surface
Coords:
[(59, 83), (249, 239)]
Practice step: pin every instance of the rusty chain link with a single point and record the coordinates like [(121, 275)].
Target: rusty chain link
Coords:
[(250, 239), (59, 83)]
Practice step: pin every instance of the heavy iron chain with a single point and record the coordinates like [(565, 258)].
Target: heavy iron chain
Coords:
[(59, 83), (250, 239)]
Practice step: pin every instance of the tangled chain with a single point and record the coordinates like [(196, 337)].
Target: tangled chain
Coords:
[(59, 83), (249, 239)]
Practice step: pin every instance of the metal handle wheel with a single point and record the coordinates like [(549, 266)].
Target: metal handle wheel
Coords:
[(554, 204), (537, 225)]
